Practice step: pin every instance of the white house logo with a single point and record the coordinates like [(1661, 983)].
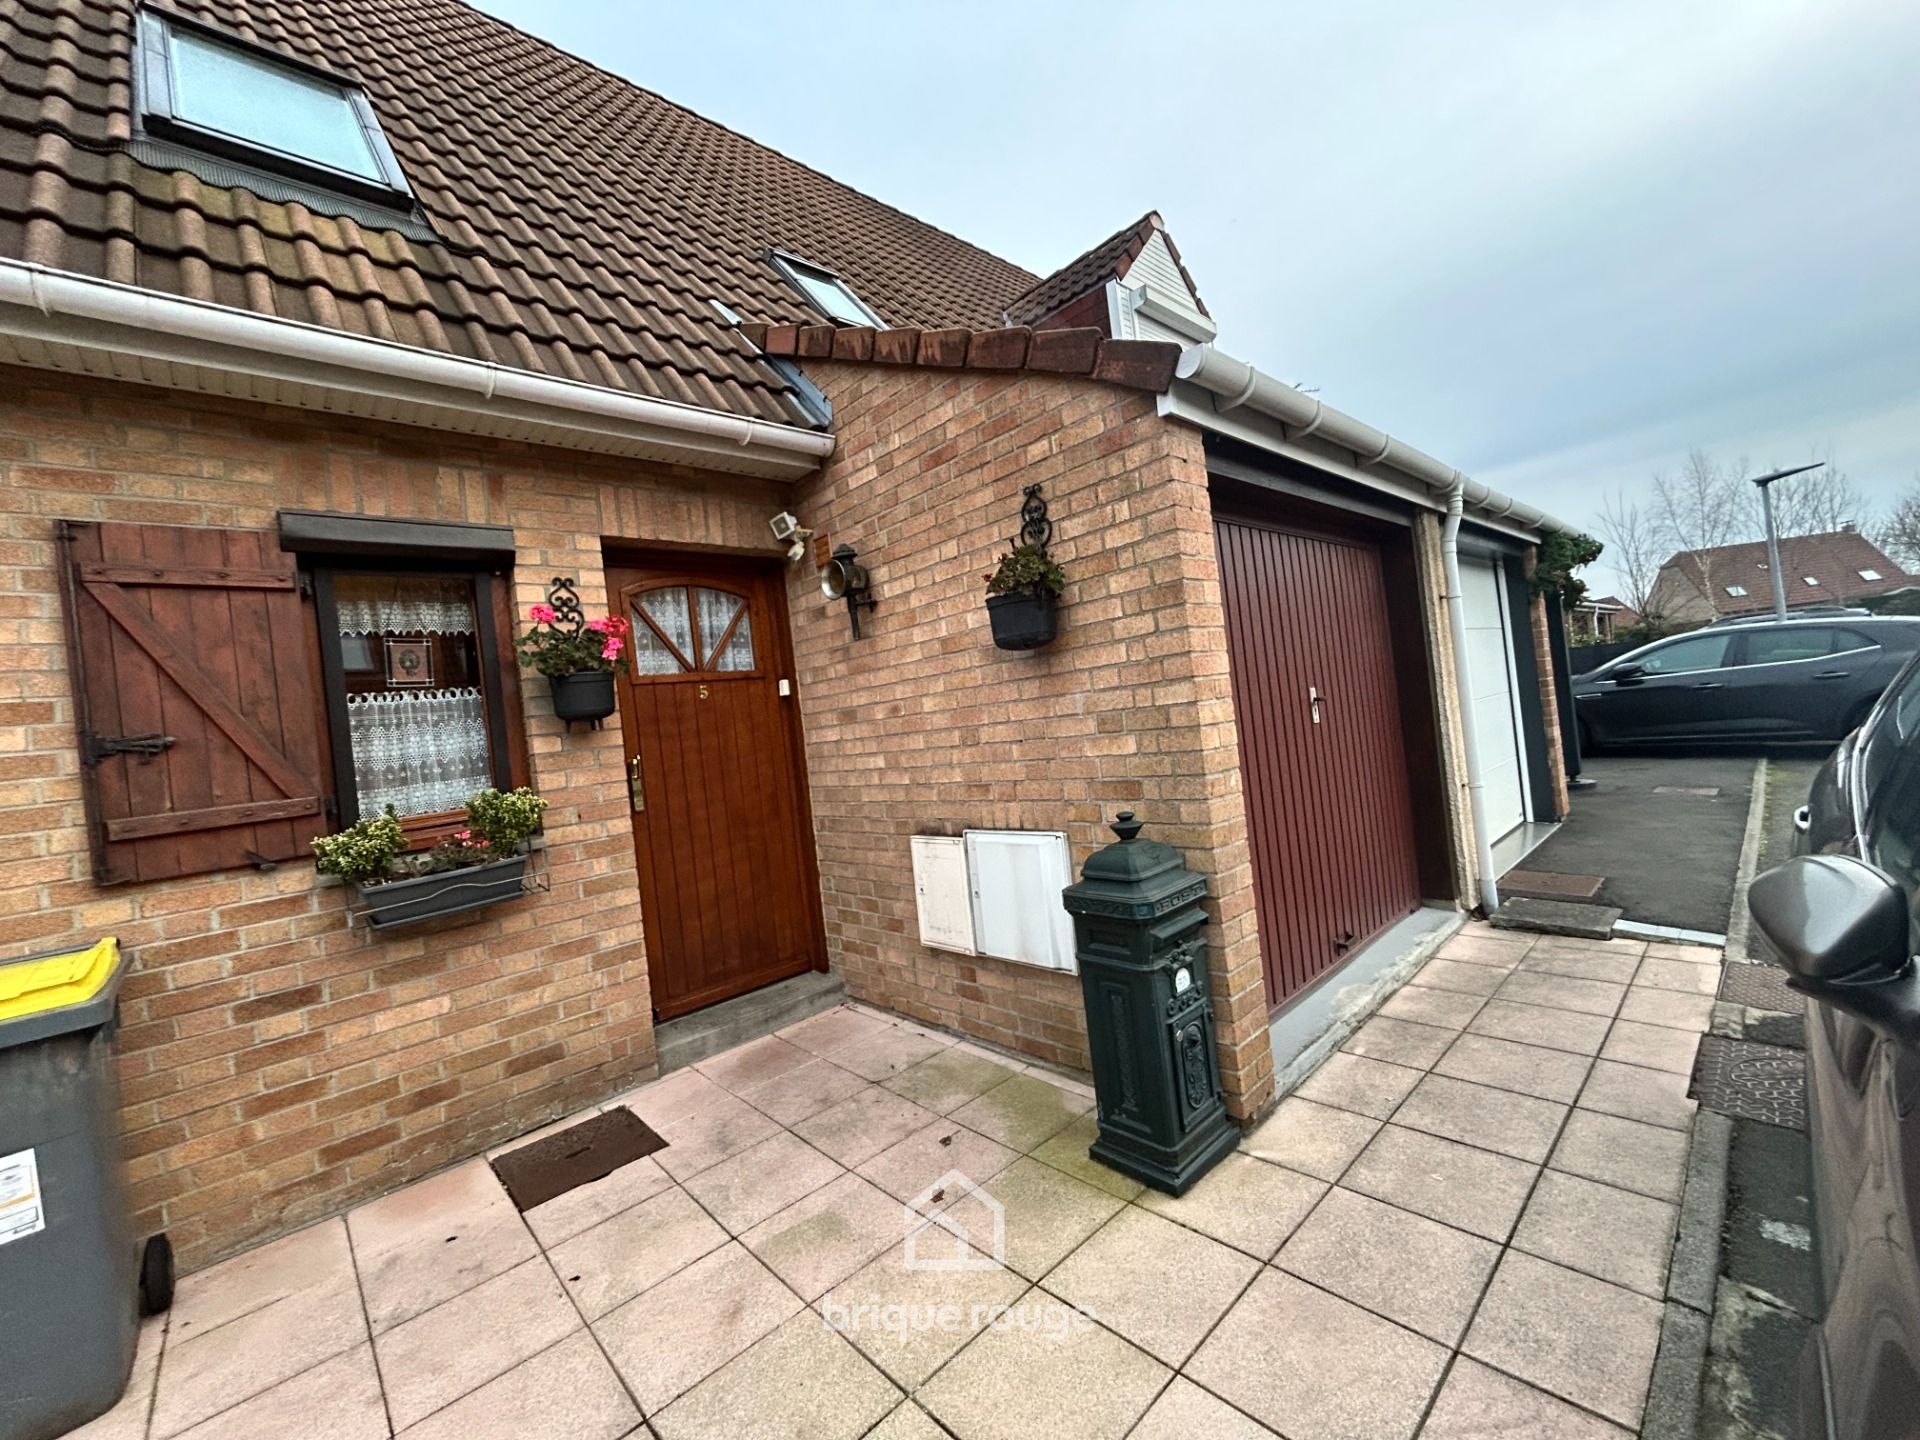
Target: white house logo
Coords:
[(948, 1225)]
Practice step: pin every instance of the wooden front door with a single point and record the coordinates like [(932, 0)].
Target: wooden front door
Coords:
[(728, 884), (1322, 756)]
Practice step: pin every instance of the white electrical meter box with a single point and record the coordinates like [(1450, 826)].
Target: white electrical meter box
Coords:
[(942, 893), (1017, 877)]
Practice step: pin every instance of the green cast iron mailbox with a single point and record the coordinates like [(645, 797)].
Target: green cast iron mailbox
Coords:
[(1143, 975)]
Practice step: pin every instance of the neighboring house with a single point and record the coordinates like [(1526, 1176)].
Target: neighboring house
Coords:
[(336, 334), (1594, 621), (1836, 568)]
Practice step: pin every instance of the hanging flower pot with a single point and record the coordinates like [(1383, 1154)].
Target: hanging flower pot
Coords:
[(583, 695), (1023, 619), (1021, 598), (578, 656)]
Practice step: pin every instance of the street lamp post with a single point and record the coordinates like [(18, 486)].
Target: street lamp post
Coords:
[(1773, 538)]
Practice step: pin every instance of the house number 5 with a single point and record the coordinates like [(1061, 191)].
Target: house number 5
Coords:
[(703, 692)]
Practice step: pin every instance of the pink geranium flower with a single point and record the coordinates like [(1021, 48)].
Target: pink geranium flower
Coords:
[(541, 614)]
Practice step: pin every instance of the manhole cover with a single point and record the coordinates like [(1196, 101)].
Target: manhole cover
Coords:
[(1545, 882), (1754, 1082), (1762, 986), (1705, 792)]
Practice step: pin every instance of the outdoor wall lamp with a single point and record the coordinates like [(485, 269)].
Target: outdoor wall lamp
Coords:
[(846, 579)]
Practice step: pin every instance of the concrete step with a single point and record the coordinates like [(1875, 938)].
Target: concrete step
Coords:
[(690, 1039), (1556, 917)]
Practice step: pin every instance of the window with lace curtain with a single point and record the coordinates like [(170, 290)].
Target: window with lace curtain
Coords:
[(411, 664)]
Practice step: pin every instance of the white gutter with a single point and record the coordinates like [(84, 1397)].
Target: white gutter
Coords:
[(1469, 729), (1234, 383), (54, 319)]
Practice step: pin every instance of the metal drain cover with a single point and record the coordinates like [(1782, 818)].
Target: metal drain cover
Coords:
[(1755, 1082), (1762, 986)]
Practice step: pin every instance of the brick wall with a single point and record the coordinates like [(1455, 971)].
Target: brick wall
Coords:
[(922, 726), (276, 1064)]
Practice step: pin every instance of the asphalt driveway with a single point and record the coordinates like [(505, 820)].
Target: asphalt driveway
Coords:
[(1663, 831)]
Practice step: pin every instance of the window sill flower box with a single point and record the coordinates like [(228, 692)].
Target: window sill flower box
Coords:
[(481, 865), (449, 892)]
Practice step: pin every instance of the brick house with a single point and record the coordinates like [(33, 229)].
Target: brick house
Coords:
[(335, 333), (1833, 568)]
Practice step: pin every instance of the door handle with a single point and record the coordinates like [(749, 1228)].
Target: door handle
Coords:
[(1316, 700), (1833, 675), (636, 787), (1709, 685)]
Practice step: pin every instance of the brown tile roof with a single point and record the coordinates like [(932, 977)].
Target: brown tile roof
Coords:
[(1835, 559), (583, 223), (1139, 364), (1109, 260)]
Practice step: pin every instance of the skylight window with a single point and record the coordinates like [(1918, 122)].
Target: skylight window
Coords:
[(826, 292), (216, 93), (1811, 579), (1869, 574), (1736, 590)]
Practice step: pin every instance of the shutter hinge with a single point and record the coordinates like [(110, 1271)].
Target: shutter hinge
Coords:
[(95, 748)]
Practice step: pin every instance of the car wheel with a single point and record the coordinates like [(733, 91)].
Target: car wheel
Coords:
[(1588, 745)]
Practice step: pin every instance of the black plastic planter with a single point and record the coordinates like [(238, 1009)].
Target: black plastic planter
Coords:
[(1023, 619), (583, 695), (428, 897)]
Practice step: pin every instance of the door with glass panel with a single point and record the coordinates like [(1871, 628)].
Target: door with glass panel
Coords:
[(728, 885)]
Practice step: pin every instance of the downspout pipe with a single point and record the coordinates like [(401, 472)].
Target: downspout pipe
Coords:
[(1456, 494)]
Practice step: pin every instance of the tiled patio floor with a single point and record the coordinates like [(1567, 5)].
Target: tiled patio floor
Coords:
[(1459, 1226)]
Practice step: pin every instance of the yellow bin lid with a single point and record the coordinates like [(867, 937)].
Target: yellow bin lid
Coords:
[(36, 985)]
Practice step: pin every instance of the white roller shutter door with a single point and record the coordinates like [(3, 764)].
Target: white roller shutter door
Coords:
[(1492, 691)]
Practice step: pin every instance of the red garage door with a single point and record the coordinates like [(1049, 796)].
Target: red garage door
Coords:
[(1322, 759)]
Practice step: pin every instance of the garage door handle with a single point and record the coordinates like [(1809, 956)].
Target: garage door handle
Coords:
[(1708, 685), (1833, 675)]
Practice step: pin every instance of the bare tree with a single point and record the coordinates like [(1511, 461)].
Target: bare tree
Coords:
[(1899, 534), (1635, 547), (1816, 503), (1701, 509)]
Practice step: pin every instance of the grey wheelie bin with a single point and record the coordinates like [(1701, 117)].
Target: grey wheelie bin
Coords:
[(70, 1276)]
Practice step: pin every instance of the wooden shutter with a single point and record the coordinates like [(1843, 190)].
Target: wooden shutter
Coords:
[(193, 675)]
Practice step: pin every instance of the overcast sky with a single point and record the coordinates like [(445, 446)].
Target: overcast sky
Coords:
[(1555, 244)]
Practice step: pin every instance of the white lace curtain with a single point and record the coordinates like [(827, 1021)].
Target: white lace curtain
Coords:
[(421, 751), (404, 604)]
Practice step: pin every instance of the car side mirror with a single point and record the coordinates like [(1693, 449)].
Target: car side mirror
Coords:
[(1632, 671), (1837, 923)]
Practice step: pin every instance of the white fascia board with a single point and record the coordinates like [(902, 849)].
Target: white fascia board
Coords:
[(55, 320), (1188, 402), (1197, 327)]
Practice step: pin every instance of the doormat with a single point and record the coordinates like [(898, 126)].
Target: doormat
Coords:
[(1555, 887), (1705, 792), (1755, 1082), (578, 1155)]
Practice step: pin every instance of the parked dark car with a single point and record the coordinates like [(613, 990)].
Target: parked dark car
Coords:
[(1805, 678), (1843, 917)]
